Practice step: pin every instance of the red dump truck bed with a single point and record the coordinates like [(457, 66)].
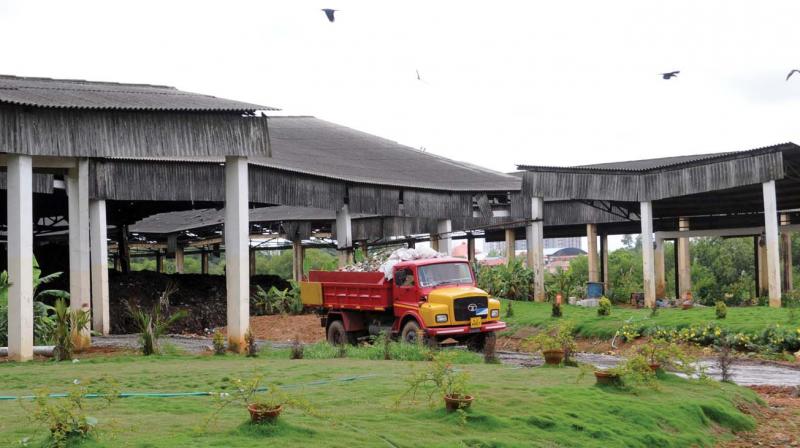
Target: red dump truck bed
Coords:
[(353, 290)]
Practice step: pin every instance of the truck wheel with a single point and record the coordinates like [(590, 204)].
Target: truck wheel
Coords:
[(410, 332), (478, 342), (337, 335)]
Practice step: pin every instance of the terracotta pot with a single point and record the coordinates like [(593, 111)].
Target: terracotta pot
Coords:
[(687, 305), (606, 378), (655, 366), (553, 357), (259, 414), (455, 402)]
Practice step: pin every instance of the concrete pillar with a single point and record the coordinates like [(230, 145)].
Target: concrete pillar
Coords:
[(124, 251), (204, 262), (684, 260), (101, 322), (773, 255), (435, 243), (179, 258), (298, 255), (471, 248), (252, 262), (344, 235), (79, 256), (761, 266), (786, 254), (660, 270), (534, 240), (604, 260), (159, 261), (591, 249), (237, 243), (443, 229), (511, 245), (648, 255), (20, 257)]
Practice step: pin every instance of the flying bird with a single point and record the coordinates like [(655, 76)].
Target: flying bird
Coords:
[(418, 77), (329, 14), (792, 73), (670, 75)]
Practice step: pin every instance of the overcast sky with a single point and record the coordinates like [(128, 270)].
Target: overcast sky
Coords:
[(550, 83)]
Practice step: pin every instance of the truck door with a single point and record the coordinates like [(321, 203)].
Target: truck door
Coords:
[(405, 286)]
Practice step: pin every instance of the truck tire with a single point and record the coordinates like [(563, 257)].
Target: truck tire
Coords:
[(410, 333), (478, 342), (337, 335)]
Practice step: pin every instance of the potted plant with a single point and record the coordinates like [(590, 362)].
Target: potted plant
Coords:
[(548, 343), (445, 380), (265, 408), (660, 353), (608, 377)]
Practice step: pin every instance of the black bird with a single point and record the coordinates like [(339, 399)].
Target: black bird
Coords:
[(669, 75), (792, 73), (329, 14)]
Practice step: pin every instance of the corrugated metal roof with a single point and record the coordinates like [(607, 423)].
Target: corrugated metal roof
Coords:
[(79, 94), (172, 222), (645, 165), (317, 147)]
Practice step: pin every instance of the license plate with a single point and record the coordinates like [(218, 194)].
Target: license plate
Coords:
[(474, 322)]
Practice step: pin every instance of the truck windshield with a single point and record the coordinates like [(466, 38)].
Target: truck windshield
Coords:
[(445, 273)]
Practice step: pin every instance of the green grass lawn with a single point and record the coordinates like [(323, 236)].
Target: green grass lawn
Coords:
[(514, 406), (589, 324)]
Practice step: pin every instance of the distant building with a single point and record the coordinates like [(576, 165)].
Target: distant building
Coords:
[(559, 259), (563, 243)]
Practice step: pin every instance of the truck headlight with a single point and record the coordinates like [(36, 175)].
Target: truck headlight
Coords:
[(495, 313), (441, 318)]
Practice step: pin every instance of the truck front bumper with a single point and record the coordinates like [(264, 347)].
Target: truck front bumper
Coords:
[(465, 329)]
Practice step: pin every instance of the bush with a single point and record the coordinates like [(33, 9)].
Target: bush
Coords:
[(152, 326), (68, 326), (512, 281), (276, 301), (721, 310), (604, 308), (556, 310), (297, 349), (250, 345), (218, 341)]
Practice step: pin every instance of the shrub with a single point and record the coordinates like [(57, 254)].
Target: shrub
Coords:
[(276, 301), (667, 354), (218, 341), (509, 310), (251, 347), (604, 307), (68, 325), (556, 310), (721, 310), (68, 418), (152, 326), (512, 281), (439, 377), (556, 337), (297, 349)]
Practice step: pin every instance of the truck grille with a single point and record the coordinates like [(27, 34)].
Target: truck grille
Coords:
[(463, 309)]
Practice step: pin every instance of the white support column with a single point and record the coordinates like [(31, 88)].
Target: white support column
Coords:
[(79, 256), (591, 249), (511, 245), (344, 235), (660, 270), (443, 229), (534, 240), (684, 260), (297, 260), (786, 253), (237, 243), (604, 260), (773, 255), (20, 257), (648, 262), (99, 256), (471, 248)]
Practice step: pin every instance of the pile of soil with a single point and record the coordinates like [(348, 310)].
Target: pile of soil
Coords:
[(778, 422), (284, 328), (202, 296)]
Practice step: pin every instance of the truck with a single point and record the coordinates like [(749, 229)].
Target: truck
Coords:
[(433, 299)]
